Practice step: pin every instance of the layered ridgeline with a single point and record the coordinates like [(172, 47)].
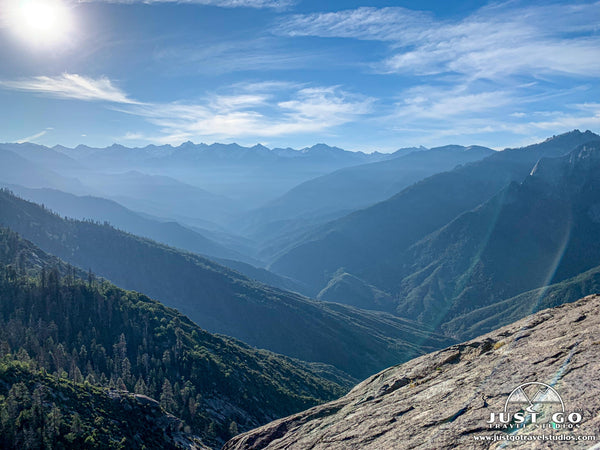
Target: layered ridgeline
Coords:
[(89, 334), (35, 166), (197, 155), (336, 194), (225, 173), (370, 244), (196, 185), (16, 169), (445, 400), (541, 231), (88, 207), (218, 299)]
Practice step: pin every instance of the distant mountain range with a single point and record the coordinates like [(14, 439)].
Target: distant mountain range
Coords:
[(202, 186), (224, 168), (424, 253), (371, 244), (188, 152), (345, 190), (215, 189)]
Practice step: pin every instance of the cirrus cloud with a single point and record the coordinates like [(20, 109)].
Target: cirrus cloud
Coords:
[(497, 40), (271, 109), (71, 86), (494, 72), (258, 4), (305, 110)]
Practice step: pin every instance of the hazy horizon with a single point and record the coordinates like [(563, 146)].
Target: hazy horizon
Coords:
[(256, 144)]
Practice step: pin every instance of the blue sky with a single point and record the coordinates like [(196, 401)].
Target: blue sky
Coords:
[(362, 75)]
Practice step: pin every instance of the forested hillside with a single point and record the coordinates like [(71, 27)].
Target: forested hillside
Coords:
[(89, 331), (539, 232), (39, 410)]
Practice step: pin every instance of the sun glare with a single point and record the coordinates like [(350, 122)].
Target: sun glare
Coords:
[(41, 22)]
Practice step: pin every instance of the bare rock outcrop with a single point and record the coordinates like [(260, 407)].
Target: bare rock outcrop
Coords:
[(446, 399)]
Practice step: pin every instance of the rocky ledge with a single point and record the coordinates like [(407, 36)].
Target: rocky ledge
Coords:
[(446, 399)]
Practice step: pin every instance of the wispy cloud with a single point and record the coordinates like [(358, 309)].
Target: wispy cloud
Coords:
[(432, 102), (132, 136), (434, 116), (33, 137), (259, 4), (378, 24), (477, 75), (266, 86), (223, 117), (71, 86), (229, 103), (227, 56), (584, 116), (496, 41), (246, 110)]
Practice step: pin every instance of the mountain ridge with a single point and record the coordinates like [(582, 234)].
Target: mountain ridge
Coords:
[(222, 300), (544, 221), (89, 207), (344, 190), (367, 243)]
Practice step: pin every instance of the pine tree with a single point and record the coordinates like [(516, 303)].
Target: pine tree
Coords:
[(54, 422), (76, 424), (140, 387), (120, 384), (192, 407), (126, 371), (167, 399)]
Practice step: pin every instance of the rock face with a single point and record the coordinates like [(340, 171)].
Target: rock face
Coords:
[(445, 399)]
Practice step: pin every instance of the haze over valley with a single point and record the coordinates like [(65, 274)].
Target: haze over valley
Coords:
[(268, 224)]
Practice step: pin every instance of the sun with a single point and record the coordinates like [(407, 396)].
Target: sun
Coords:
[(41, 22)]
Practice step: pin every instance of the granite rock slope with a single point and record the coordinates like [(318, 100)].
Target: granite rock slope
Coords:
[(444, 399)]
